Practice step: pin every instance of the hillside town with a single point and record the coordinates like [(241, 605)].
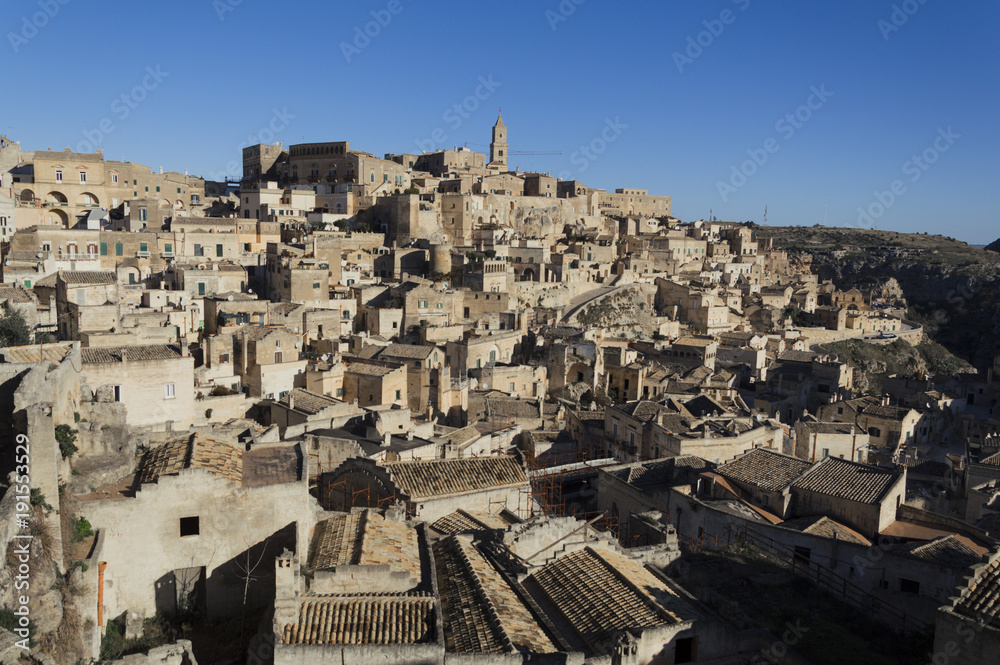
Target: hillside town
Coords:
[(430, 408)]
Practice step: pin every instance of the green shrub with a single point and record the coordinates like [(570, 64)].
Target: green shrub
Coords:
[(81, 529), (38, 499), (66, 436)]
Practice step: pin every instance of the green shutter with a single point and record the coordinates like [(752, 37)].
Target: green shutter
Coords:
[(143, 247), (104, 249), (218, 250), (119, 250)]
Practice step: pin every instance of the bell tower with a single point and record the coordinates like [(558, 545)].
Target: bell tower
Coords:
[(498, 148)]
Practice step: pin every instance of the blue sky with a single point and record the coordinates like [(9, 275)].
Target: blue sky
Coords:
[(685, 98)]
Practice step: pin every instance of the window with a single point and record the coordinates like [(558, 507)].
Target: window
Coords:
[(83, 177), (143, 215), (218, 250), (224, 358), (315, 285), (104, 249), (278, 357), (114, 178), (909, 586), (119, 249), (340, 392), (874, 431), (169, 390), (168, 248), (399, 395), (59, 176), (143, 247), (422, 304), (826, 453), (190, 526), (201, 288)]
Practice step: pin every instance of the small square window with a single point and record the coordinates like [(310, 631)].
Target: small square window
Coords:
[(190, 526)]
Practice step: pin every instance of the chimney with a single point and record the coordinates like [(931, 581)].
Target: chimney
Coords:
[(386, 439), (291, 401), (184, 347), (161, 170)]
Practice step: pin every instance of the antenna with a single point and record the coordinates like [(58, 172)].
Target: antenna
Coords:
[(765, 214)]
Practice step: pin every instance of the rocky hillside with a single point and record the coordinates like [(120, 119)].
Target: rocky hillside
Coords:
[(874, 362), (951, 288)]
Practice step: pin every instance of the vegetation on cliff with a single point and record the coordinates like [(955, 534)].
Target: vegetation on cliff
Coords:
[(873, 362)]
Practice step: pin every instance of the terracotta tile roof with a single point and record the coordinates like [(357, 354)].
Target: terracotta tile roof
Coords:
[(337, 541), (763, 468), (368, 370), (824, 526), (847, 480), (951, 551), (142, 353), (481, 612), (461, 521), (406, 351), (362, 620), (220, 459), (391, 543), (88, 277), (36, 353), (309, 402), (430, 478), (829, 428), (601, 593), (981, 597), (887, 411), (14, 293)]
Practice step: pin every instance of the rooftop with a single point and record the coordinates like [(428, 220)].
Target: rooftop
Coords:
[(349, 620), (88, 277), (141, 353), (848, 480), (429, 478), (763, 468)]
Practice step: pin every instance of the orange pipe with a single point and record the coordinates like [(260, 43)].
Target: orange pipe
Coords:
[(100, 593)]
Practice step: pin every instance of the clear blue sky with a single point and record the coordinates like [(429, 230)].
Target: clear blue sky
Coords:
[(680, 126)]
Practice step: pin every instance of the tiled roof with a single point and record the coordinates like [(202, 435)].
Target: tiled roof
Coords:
[(981, 598), (36, 352), (461, 521), (113, 354), (992, 460), (948, 551), (309, 402), (603, 593), (89, 277), (429, 478), (362, 620), (829, 428), (886, 411), (220, 459), (368, 370), (366, 539), (847, 480), (406, 351), (14, 293), (337, 541), (481, 613), (822, 525), (764, 468)]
